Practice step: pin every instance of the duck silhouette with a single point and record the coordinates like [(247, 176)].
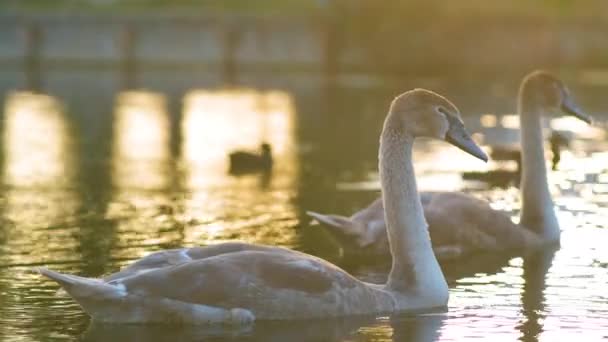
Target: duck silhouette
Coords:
[(246, 162)]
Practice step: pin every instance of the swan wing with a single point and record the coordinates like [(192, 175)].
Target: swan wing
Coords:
[(230, 287), (172, 257), (458, 219), (271, 284)]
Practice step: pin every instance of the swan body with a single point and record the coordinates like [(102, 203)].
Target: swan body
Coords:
[(232, 288), (460, 224), (478, 228), (240, 283)]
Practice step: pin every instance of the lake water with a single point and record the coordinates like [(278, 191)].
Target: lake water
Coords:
[(94, 177)]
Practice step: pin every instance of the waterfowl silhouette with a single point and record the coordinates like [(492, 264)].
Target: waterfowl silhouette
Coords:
[(243, 161)]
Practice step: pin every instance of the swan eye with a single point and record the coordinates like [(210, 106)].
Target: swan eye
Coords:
[(557, 87), (443, 111)]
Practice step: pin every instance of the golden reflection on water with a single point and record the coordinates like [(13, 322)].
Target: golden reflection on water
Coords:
[(35, 141), (165, 200), (159, 200), (141, 174), (38, 175), (141, 141), (488, 120), (216, 123)]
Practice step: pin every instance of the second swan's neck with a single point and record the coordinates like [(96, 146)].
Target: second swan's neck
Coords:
[(537, 212), (415, 270)]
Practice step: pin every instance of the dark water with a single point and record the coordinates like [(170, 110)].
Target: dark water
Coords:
[(94, 177)]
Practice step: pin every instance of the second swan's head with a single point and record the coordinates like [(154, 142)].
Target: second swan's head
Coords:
[(543, 89), (423, 113)]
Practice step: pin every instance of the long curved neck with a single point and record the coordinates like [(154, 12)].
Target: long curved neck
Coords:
[(537, 212), (415, 268)]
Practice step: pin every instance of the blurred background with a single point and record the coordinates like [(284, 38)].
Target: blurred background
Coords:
[(118, 118)]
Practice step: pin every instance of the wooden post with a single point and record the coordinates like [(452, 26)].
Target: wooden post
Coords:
[(230, 40), (330, 50), (128, 62), (33, 55), (175, 111)]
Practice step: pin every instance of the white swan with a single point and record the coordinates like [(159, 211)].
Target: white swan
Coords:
[(460, 224), (238, 283)]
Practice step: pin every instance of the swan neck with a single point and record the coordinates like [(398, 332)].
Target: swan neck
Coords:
[(414, 266), (537, 212)]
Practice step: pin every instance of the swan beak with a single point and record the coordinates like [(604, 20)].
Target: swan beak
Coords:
[(568, 106), (459, 137)]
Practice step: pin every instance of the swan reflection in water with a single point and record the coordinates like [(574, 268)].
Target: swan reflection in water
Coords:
[(420, 328), (536, 267)]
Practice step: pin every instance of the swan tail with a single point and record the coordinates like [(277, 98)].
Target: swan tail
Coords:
[(339, 224), (96, 298), (78, 287), (112, 303), (343, 223)]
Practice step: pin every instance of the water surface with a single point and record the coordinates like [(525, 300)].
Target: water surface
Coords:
[(94, 177)]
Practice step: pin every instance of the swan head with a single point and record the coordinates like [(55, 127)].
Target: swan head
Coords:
[(549, 93), (423, 113)]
